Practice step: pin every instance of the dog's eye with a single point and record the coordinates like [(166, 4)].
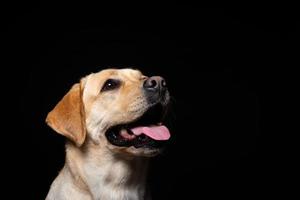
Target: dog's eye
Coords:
[(110, 84)]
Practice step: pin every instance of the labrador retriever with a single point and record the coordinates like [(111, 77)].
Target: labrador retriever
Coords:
[(113, 121)]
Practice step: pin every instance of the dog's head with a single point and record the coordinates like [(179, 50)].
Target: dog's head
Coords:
[(121, 110)]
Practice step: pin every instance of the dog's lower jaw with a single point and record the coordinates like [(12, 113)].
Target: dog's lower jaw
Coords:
[(95, 174)]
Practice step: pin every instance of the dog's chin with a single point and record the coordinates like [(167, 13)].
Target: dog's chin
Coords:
[(145, 136)]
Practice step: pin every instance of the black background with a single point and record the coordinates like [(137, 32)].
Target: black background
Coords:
[(221, 64)]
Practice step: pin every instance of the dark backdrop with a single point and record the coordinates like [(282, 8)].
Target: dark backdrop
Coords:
[(220, 62)]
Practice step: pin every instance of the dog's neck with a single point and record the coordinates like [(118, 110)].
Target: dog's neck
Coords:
[(105, 175)]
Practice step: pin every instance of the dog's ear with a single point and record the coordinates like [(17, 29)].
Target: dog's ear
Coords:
[(68, 116)]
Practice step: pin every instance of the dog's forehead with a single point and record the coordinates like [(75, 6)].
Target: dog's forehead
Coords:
[(130, 73), (127, 73)]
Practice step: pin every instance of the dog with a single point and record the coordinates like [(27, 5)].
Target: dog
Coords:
[(113, 121)]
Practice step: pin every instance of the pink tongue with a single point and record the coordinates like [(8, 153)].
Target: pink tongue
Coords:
[(155, 132)]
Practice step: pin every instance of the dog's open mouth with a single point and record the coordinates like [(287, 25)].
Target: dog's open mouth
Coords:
[(148, 131)]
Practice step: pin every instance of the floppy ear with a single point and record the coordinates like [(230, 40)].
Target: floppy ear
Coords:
[(67, 117)]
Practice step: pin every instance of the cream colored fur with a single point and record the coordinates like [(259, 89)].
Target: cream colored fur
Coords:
[(95, 169)]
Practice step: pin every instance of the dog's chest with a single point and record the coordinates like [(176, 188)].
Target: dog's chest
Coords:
[(114, 183), (117, 194), (114, 192)]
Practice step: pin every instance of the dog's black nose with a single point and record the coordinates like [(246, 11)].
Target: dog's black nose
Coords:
[(155, 83), (155, 89)]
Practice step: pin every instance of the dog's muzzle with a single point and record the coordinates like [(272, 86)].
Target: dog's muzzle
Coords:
[(149, 129)]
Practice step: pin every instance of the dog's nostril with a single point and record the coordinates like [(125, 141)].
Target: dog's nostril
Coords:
[(153, 83)]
